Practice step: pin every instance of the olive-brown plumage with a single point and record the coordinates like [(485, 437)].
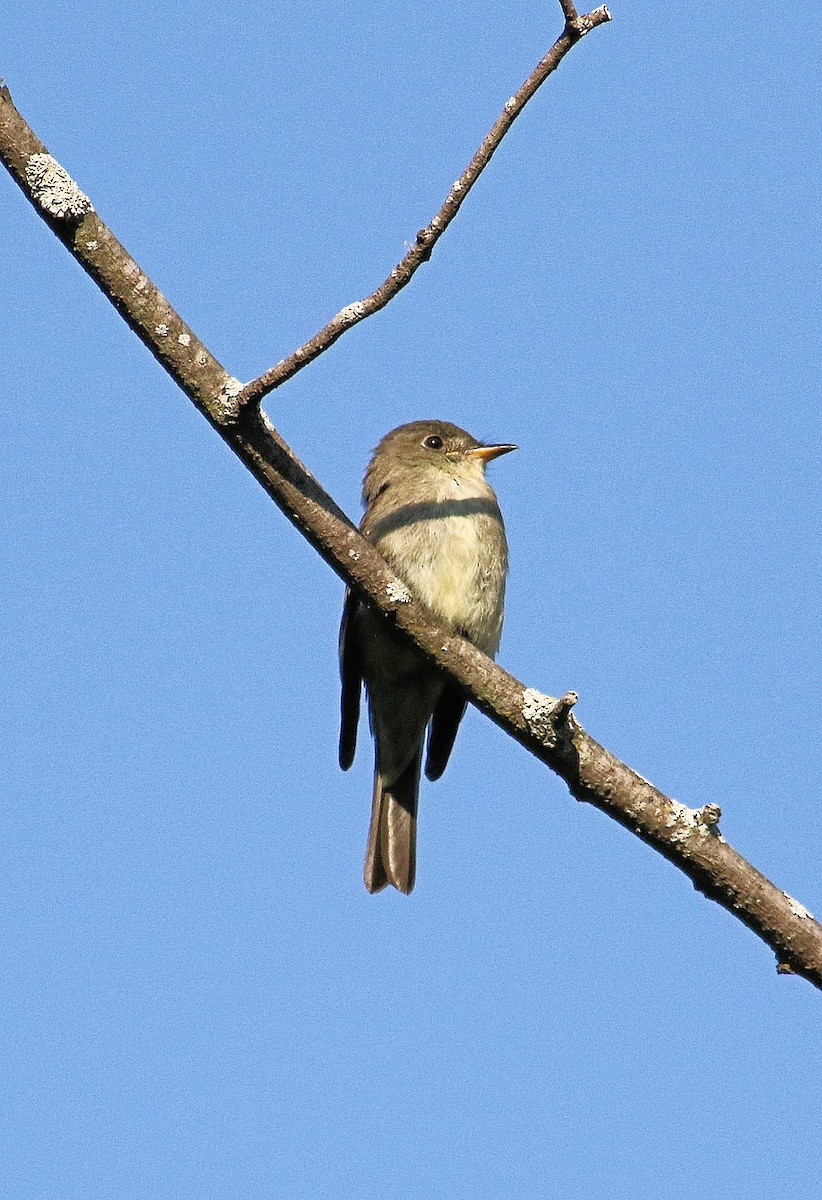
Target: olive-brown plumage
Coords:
[(433, 515)]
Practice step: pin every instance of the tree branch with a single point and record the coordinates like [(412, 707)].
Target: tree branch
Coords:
[(546, 727), (575, 28), (569, 12)]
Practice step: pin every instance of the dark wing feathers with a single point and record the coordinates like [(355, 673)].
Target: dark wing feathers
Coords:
[(351, 676), (444, 725)]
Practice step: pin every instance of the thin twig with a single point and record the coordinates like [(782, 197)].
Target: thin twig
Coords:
[(575, 28)]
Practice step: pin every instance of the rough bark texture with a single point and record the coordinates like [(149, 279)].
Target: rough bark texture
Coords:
[(546, 727)]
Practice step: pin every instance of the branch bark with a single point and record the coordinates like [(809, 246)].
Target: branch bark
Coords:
[(546, 727)]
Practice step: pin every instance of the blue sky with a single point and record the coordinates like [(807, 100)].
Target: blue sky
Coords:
[(199, 997)]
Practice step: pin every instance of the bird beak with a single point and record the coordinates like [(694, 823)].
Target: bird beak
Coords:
[(486, 453)]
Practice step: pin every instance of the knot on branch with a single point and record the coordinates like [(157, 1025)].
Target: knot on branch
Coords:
[(684, 822), (709, 816), (544, 715), (425, 240)]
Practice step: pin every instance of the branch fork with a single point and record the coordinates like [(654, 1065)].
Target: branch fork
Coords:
[(420, 252)]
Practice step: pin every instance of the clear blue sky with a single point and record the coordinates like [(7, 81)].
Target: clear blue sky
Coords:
[(199, 999)]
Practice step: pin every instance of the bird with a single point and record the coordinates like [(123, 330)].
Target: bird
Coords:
[(434, 517)]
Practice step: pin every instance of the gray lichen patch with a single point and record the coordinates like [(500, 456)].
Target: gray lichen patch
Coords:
[(798, 909), (681, 821), (397, 592), (537, 712), (54, 190), (352, 313), (226, 408), (686, 822)]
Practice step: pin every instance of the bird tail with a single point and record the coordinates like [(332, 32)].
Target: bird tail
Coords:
[(391, 854)]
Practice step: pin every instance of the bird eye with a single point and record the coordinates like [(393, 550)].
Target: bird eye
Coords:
[(433, 442)]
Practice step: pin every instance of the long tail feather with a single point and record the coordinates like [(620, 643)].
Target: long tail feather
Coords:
[(391, 854)]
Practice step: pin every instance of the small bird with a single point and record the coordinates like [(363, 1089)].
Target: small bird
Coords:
[(432, 514)]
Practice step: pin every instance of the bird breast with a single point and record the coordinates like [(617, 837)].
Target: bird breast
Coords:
[(451, 551)]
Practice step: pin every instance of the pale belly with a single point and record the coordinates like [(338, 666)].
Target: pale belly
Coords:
[(456, 566)]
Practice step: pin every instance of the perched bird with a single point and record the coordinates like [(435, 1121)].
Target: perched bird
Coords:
[(431, 513)]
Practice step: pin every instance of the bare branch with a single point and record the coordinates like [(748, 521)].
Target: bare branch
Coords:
[(569, 12), (575, 28), (546, 727)]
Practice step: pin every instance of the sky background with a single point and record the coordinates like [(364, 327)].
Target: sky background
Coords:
[(199, 999)]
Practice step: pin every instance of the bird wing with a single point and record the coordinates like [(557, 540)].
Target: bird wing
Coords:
[(444, 725), (351, 678)]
